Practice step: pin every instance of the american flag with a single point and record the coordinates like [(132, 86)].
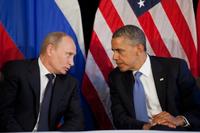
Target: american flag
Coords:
[(170, 29), (198, 32)]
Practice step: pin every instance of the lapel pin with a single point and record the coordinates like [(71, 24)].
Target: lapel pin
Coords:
[(161, 79)]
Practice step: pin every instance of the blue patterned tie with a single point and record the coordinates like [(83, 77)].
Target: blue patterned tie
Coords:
[(139, 99), (43, 124)]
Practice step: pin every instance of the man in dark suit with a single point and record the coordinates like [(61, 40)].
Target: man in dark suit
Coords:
[(170, 93), (23, 90)]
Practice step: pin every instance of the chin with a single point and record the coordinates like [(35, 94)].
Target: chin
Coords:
[(122, 69), (63, 72)]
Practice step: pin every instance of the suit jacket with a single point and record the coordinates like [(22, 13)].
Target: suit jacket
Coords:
[(178, 93), (20, 96)]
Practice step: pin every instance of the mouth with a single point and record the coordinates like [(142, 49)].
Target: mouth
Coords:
[(67, 69), (119, 64)]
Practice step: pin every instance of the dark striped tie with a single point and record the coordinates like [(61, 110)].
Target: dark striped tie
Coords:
[(43, 124)]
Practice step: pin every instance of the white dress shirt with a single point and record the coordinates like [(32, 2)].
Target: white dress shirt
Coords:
[(43, 84), (152, 102)]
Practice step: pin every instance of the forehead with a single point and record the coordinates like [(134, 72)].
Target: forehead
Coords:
[(66, 43), (120, 42)]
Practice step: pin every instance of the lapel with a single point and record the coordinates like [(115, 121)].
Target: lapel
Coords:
[(160, 79), (34, 81), (128, 82)]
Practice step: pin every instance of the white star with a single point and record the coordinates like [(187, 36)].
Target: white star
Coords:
[(141, 3)]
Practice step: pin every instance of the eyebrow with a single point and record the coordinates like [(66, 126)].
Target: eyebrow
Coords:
[(117, 49)]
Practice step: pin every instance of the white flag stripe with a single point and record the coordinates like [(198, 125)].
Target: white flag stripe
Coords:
[(187, 8), (69, 14), (168, 34), (98, 81), (105, 40)]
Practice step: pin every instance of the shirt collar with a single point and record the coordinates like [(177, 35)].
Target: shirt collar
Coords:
[(146, 67), (43, 69)]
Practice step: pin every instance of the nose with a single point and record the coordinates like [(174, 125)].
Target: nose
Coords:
[(115, 55), (71, 62)]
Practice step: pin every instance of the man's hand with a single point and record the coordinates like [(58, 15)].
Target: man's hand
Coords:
[(165, 118), (148, 125)]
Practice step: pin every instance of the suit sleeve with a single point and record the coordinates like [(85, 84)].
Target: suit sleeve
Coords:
[(8, 94), (190, 94), (73, 117)]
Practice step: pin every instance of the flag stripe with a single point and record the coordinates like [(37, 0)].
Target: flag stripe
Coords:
[(95, 103), (8, 49), (181, 27), (75, 23), (110, 14), (198, 34), (94, 74), (98, 30), (168, 35), (153, 35), (187, 8), (100, 56)]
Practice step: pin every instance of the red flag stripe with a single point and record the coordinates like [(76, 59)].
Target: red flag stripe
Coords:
[(198, 34), (100, 56), (96, 105), (110, 14), (153, 35), (8, 49), (181, 27)]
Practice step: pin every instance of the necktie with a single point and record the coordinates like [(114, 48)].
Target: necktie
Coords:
[(44, 111), (139, 99)]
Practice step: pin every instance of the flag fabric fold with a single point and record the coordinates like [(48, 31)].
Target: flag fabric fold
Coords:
[(170, 29)]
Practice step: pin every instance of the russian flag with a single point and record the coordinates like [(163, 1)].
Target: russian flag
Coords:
[(25, 23)]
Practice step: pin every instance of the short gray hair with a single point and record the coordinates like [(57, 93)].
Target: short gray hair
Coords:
[(133, 33), (52, 38)]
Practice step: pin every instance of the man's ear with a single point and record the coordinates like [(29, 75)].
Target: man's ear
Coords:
[(50, 49), (141, 47)]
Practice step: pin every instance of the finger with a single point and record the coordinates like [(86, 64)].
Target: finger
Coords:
[(160, 114), (164, 115), (168, 124)]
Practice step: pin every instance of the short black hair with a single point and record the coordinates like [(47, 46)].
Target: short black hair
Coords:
[(133, 33)]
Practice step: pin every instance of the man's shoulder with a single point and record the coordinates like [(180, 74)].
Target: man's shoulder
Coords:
[(167, 60), (17, 65), (19, 62), (67, 77)]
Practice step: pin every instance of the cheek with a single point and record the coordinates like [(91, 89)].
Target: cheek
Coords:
[(130, 59), (57, 61), (60, 58)]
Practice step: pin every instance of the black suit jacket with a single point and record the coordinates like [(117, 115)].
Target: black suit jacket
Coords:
[(176, 88), (20, 96)]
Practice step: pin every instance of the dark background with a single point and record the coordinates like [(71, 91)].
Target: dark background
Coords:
[(88, 10)]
